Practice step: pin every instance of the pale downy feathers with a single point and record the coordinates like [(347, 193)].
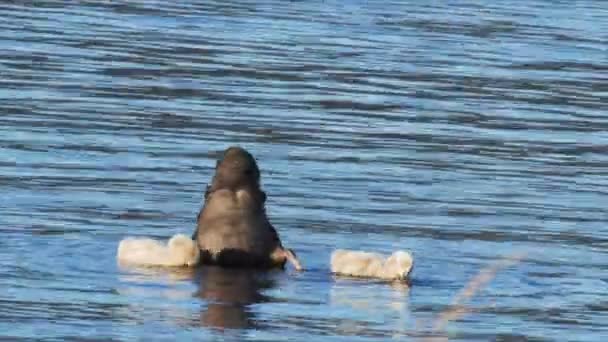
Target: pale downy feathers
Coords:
[(181, 250), (366, 264)]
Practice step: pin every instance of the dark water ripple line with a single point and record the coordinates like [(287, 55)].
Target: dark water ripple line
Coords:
[(64, 311)]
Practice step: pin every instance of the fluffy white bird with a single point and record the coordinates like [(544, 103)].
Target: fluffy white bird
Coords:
[(181, 250), (366, 264)]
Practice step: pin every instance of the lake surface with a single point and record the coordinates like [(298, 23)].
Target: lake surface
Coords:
[(464, 131)]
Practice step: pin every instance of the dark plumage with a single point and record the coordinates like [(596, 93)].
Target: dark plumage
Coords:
[(232, 227)]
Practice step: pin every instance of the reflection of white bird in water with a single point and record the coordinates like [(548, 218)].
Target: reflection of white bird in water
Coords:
[(365, 264), (181, 250)]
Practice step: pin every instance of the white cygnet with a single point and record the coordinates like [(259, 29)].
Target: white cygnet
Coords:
[(366, 264), (181, 250)]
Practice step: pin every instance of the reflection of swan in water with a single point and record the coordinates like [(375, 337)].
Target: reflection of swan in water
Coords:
[(228, 294), (388, 304)]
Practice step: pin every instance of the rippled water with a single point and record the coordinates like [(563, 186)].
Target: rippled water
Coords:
[(464, 131)]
